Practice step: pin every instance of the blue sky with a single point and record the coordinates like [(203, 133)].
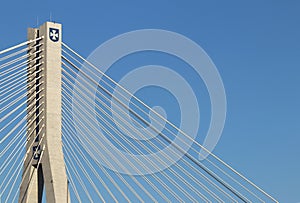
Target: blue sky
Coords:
[(255, 46)]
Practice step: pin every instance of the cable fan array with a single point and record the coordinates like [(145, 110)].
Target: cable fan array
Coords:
[(17, 114), (90, 147), (98, 152)]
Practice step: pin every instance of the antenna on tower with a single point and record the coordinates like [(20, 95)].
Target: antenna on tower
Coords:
[(51, 16)]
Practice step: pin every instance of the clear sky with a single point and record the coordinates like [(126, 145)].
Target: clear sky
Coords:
[(255, 45)]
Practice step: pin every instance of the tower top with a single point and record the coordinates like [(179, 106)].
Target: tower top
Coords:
[(52, 31)]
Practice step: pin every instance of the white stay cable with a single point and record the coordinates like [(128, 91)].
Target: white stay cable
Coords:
[(31, 175), (18, 170), (183, 133), (21, 104), (133, 146), (115, 160), (23, 128), (112, 180), (78, 177), (153, 186), (20, 52), (99, 165), (12, 78), (73, 144), (13, 175), (29, 88), (72, 156), (13, 185), (18, 85), (13, 129), (16, 149), (14, 54), (20, 72), (23, 67), (23, 96), (14, 61), (20, 77), (26, 168), (21, 85), (23, 64), (18, 117), (20, 45), (8, 173), (13, 152), (73, 186), (68, 120), (154, 146), (221, 190), (13, 102), (238, 194), (14, 96)]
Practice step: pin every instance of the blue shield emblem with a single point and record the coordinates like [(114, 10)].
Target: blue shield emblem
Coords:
[(54, 34)]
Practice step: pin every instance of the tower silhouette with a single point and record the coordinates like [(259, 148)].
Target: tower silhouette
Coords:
[(44, 126)]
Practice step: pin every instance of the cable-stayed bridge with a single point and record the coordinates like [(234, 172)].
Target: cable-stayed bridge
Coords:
[(62, 137)]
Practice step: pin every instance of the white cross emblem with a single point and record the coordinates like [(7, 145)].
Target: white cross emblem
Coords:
[(54, 34)]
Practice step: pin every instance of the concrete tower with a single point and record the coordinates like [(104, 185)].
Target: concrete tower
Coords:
[(44, 164)]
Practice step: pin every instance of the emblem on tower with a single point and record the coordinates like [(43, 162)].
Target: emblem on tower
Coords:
[(54, 34)]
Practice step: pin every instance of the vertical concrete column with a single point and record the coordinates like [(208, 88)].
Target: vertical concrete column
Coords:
[(29, 187), (54, 171), (44, 120)]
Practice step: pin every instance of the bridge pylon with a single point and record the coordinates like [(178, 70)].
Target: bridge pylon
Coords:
[(44, 163)]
